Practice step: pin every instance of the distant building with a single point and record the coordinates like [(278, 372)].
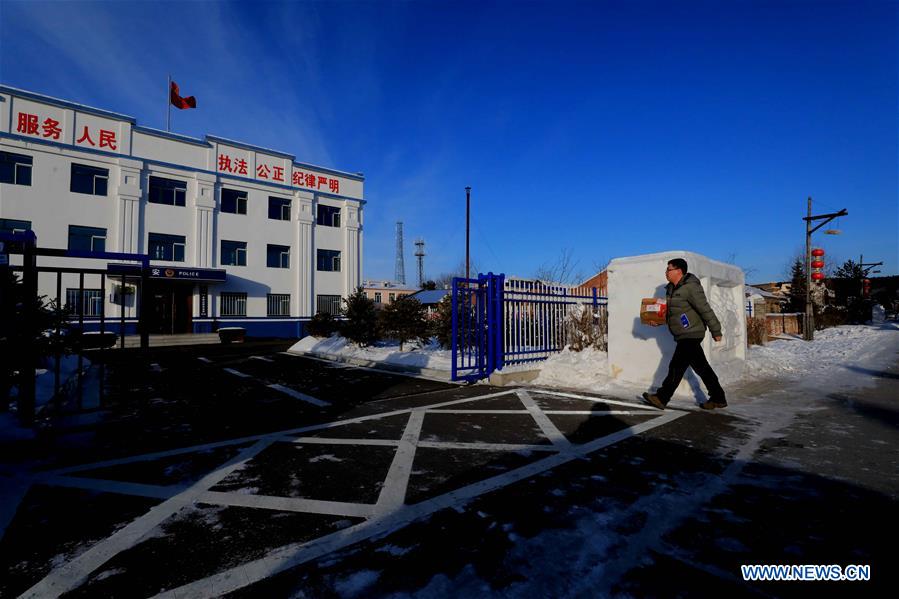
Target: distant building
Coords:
[(429, 298), (599, 281), (384, 292)]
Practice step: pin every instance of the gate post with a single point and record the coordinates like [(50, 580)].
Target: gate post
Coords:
[(141, 309), (29, 303)]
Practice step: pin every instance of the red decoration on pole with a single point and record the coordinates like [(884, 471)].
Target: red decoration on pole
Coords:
[(818, 276), (817, 264), (817, 252)]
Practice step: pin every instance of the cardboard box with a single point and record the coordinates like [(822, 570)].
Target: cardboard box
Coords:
[(653, 310)]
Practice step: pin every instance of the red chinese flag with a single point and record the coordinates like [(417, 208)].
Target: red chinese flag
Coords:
[(178, 101)]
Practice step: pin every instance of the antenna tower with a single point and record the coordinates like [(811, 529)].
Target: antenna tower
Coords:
[(400, 268), (420, 255)]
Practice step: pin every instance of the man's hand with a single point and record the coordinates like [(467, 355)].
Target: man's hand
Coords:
[(717, 339), (654, 324)]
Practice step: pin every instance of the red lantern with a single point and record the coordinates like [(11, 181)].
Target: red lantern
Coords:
[(817, 264), (818, 276), (817, 252)]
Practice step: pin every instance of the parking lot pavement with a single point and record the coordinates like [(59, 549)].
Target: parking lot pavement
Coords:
[(230, 513), (404, 486)]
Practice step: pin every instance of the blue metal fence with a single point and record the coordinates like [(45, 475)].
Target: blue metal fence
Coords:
[(499, 321)]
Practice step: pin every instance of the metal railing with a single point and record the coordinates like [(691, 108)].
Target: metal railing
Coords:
[(233, 304), (536, 317)]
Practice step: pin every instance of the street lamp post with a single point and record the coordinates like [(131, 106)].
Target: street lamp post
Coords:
[(467, 220), (808, 322)]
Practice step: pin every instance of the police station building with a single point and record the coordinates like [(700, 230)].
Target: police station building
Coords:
[(237, 235)]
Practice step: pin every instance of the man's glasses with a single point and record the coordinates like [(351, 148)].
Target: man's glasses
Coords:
[(670, 269)]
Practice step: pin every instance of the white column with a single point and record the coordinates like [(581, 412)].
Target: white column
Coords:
[(305, 260), (126, 237), (352, 246), (204, 202)]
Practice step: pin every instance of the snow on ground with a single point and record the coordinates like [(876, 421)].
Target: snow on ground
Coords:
[(833, 351), (413, 354)]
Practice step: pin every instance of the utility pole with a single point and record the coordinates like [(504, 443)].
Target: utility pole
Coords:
[(866, 270), (467, 220), (808, 323)]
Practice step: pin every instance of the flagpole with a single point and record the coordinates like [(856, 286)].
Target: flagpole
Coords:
[(168, 103)]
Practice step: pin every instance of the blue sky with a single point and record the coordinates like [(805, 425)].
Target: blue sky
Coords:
[(598, 129)]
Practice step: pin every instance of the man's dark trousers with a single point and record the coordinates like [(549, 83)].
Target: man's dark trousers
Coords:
[(689, 353)]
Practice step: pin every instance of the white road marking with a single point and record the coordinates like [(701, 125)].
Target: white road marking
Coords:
[(336, 441), (237, 373), (204, 360), (393, 493), (314, 427), (288, 504), (263, 358), (546, 425), (486, 446), (290, 556), (73, 573), (301, 396), (596, 399)]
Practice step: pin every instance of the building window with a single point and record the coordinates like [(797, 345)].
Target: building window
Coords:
[(278, 304), (277, 256), (328, 216), (87, 239), (377, 297), (167, 191), (278, 208), (15, 168), (233, 201), (328, 260), (329, 304), (89, 180), (89, 300), (11, 225), (234, 253), (167, 247), (233, 304)]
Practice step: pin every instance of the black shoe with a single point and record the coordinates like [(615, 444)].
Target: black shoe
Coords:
[(653, 400), (713, 404)]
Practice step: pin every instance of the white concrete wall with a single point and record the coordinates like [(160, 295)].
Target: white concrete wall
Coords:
[(640, 353), (128, 217)]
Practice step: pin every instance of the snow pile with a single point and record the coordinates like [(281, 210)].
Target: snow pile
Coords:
[(430, 355), (833, 350), (584, 369)]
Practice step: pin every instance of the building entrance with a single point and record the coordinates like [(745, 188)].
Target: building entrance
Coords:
[(171, 308)]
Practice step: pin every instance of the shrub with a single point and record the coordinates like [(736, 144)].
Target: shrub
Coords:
[(757, 330), (404, 320), (321, 325), (442, 322), (361, 324), (584, 328)]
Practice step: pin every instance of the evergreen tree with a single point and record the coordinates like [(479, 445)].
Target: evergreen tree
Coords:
[(797, 286), (850, 270), (361, 325), (404, 320)]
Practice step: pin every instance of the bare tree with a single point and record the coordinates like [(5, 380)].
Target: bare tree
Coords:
[(563, 270), (747, 270), (445, 279)]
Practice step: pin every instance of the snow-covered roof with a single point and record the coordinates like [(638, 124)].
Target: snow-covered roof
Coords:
[(750, 290), (431, 296)]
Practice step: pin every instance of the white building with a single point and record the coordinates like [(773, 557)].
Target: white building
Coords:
[(237, 234)]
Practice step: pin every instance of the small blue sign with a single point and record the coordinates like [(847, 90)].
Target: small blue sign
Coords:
[(685, 321)]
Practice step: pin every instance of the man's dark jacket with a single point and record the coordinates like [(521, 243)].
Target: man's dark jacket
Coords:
[(689, 312)]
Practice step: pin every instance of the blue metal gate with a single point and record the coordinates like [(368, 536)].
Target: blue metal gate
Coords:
[(477, 326), (499, 321)]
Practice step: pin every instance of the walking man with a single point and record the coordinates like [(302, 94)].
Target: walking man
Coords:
[(689, 314)]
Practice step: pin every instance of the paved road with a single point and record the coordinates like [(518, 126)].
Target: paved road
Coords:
[(204, 481)]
